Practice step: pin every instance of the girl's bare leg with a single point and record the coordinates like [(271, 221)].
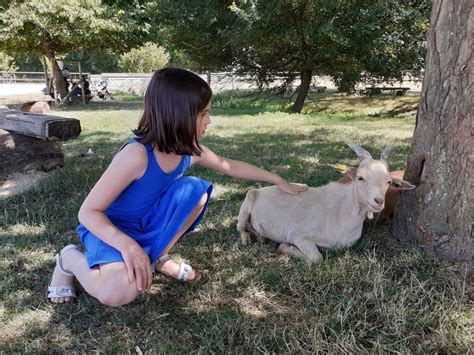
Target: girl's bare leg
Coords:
[(103, 281), (169, 267)]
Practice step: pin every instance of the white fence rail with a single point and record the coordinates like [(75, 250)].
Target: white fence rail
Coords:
[(29, 77)]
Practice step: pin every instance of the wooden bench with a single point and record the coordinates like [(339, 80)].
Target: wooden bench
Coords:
[(32, 141), (376, 90)]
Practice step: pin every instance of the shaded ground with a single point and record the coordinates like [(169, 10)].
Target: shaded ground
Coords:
[(379, 296), (20, 182)]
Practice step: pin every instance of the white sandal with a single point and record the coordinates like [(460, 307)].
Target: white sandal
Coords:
[(184, 269), (62, 290)]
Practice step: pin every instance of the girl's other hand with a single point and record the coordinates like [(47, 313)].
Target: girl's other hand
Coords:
[(292, 189), (138, 266)]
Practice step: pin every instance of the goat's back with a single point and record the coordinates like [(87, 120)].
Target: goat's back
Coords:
[(279, 216)]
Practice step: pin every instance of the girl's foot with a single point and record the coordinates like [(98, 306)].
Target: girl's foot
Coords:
[(182, 272), (61, 288)]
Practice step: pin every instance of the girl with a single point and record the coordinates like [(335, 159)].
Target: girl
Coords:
[(142, 204)]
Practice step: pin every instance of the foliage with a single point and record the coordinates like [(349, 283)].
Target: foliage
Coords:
[(145, 59), (289, 39), (7, 63), (61, 25), (57, 27), (27, 62), (93, 61), (196, 32)]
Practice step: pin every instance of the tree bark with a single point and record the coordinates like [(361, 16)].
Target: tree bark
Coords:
[(302, 90), (60, 86), (46, 74), (439, 213)]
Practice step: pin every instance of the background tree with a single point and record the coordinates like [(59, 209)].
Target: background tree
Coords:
[(439, 214), (196, 32), (145, 59), (56, 27), (94, 61), (7, 63), (291, 39), (347, 40)]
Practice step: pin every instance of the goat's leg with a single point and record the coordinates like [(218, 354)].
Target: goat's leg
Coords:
[(244, 217), (304, 249), (242, 223), (290, 250)]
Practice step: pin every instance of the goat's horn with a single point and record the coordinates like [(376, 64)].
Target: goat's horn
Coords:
[(361, 152), (386, 153)]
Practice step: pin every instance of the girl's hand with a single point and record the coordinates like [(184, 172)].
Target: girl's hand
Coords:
[(138, 266), (292, 189)]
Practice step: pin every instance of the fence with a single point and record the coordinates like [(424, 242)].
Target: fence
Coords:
[(136, 83), (30, 77)]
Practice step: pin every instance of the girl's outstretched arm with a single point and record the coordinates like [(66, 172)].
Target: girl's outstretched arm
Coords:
[(128, 165), (240, 169)]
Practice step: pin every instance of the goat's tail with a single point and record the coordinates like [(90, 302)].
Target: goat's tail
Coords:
[(244, 215)]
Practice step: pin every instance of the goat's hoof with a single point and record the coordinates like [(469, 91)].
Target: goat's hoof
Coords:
[(245, 238), (283, 248)]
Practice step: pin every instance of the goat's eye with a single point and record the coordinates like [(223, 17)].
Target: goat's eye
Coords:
[(360, 178), (389, 182)]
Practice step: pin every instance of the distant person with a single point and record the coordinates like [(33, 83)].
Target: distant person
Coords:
[(66, 76), (86, 85), (143, 204)]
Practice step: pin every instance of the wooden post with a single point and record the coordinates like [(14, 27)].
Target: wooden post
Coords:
[(82, 83)]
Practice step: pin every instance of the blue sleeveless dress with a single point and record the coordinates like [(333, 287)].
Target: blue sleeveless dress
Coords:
[(150, 210)]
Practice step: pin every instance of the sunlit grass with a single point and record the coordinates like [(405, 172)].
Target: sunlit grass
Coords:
[(379, 296)]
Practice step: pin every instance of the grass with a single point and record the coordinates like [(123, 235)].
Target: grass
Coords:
[(379, 296)]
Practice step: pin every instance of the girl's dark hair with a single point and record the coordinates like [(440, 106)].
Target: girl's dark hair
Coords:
[(173, 99)]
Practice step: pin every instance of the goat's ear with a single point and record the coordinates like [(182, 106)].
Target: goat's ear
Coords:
[(400, 184), (351, 172), (362, 154), (386, 153)]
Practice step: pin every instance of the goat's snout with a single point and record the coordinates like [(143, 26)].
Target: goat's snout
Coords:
[(379, 201)]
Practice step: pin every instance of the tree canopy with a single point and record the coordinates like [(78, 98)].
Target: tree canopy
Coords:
[(57, 27), (289, 39)]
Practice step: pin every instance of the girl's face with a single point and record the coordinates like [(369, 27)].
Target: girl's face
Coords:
[(203, 120)]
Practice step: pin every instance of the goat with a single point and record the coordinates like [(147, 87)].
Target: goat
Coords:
[(391, 196), (329, 216)]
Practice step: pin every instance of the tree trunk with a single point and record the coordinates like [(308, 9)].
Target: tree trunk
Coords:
[(60, 86), (46, 75), (302, 90), (439, 213)]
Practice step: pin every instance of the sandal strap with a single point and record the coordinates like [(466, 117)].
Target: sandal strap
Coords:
[(184, 270), (61, 291)]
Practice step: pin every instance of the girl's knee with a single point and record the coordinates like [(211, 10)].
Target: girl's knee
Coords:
[(116, 290), (117, 296)]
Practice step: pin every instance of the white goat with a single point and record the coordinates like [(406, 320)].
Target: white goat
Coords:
[(330, 216)]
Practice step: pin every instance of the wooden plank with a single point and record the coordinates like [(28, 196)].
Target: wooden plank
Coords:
[(45, 127)]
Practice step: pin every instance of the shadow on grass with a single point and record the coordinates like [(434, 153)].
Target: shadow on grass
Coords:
[(251, 298)]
